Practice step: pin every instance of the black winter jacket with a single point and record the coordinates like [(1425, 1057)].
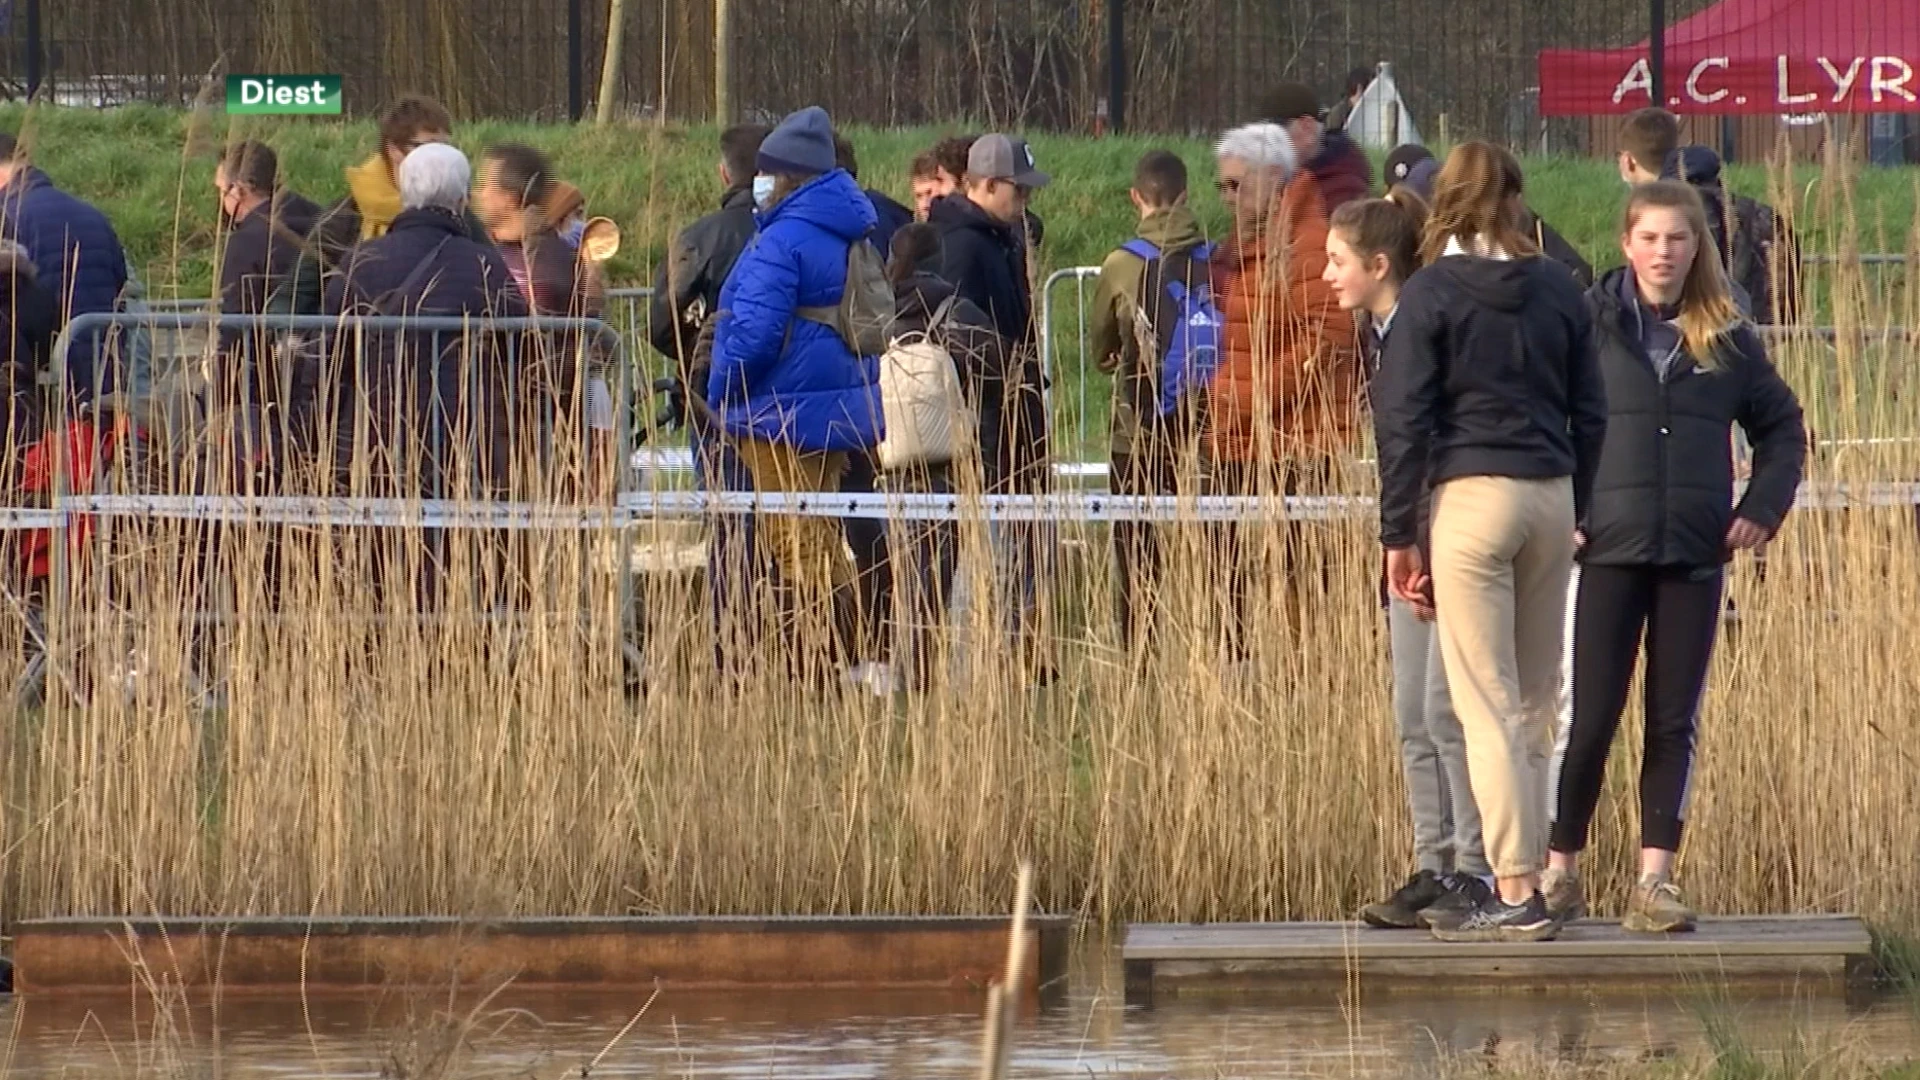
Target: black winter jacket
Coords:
[(396, 378), (1489, 370), (331, 240), (1664, 494), (986, 262), (686, 291)]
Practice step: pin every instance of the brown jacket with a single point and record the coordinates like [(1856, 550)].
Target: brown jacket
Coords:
[(1289, 369)]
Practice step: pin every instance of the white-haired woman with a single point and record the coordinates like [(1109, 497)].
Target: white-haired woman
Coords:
[(1285, 398), (426, 265)]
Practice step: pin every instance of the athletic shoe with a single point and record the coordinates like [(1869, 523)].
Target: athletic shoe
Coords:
[(1565, 893), (1464, 895), (1658, 908), (1401, 911), (1497, 920)]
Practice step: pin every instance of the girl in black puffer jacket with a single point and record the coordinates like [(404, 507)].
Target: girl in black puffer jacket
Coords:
[(1681, 369)]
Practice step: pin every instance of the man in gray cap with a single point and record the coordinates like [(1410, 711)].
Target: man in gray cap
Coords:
[(985, 255)]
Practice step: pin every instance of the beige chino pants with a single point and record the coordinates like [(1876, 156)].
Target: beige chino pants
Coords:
[(1502, 551)]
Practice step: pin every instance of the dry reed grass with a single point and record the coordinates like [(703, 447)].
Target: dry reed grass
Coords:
[(365, 760)]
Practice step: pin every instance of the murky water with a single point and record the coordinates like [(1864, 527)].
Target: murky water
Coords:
[(800, 1036)]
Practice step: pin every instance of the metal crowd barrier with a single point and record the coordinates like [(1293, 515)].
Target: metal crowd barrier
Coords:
[(591, 338)]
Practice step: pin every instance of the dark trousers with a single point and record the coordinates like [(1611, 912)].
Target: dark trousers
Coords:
[(1137, 545), (1240, 544), (731, 556), (1677, 610), (925, 552), (873, 569)]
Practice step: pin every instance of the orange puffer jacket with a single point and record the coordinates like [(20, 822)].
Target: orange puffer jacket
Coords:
[(1289, 369)]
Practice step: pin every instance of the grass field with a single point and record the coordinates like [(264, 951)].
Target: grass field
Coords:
[(151, 170)]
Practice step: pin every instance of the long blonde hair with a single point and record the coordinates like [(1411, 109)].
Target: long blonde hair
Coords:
[(1707, 309), (1477, 197)]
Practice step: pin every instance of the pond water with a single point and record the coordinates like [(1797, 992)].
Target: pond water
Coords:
[(415, 1035)]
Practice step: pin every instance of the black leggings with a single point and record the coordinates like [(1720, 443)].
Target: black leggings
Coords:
[(1678, 608)]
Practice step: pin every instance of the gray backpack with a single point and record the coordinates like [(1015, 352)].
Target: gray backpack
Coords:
[(865, 312)]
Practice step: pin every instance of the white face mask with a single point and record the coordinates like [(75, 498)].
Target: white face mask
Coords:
[(762, 190)]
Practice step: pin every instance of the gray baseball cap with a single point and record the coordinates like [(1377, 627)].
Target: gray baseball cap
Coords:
[(1003, 157)]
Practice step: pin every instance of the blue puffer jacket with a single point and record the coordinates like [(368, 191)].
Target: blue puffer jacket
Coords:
[(780, 378), (62, 232)]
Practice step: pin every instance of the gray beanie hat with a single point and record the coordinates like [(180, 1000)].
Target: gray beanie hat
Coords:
[(802, 144)]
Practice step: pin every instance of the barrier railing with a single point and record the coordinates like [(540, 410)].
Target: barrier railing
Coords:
[(1072, 408), (452, 442)]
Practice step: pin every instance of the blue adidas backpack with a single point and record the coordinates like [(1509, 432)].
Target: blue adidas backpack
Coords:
[(1186, 322)]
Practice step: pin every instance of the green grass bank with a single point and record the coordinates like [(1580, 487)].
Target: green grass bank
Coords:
[(151, 169)]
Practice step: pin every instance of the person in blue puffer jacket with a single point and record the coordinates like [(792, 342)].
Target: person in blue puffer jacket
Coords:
[(789, 390)]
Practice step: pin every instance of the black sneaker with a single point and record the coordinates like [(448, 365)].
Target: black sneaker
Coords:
[(1497, 920), (1464, 894), (1401, 911)]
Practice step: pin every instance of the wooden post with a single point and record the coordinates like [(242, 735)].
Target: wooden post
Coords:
[(723, 62), (1003, 997), (610, 62)]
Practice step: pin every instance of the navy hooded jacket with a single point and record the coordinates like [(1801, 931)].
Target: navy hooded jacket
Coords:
[(60, 232), (776, 376)]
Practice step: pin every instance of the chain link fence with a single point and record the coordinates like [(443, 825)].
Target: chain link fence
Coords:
[(1467, 68)]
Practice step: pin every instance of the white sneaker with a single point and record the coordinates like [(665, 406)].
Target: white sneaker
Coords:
[(874, 677)]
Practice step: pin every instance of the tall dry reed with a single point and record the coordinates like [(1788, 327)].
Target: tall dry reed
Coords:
[(264, 720)]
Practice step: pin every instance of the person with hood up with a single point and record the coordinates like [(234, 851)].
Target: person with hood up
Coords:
[(789, 390), (1489, 396), (1338, 164), (1415, 166), (76, 255), (1682, 368), (1284, 402), (371, 206)]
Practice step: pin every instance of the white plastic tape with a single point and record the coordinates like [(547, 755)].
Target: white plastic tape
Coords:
[(641, 507)]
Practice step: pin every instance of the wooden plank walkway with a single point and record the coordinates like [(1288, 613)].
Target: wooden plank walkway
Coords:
[(1162, 958), (280, 955)]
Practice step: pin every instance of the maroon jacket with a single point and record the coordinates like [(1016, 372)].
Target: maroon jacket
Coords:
[(1343, 170)]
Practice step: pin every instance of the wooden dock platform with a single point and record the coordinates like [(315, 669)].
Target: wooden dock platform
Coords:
[(278, 955), (1797, 950)]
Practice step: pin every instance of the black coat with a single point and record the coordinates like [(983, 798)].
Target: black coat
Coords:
[(1489, 370), (892, 217), (262, 250), (981, 356), (29, 320), (395, 378), (1664, 494), (331, 241), (986, 262), (686, 291)]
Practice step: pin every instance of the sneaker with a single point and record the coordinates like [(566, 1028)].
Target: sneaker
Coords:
[(872, 677), (1464, 895), (1658, 908), (1565, 893), (1497, 920), (1401, 911)]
